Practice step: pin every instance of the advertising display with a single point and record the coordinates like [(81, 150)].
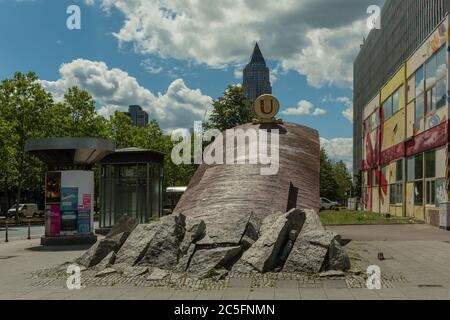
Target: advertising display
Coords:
[(52, 201), (69, 204)]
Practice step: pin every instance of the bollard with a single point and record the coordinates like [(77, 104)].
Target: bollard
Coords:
[(29, 234), (6, 229)]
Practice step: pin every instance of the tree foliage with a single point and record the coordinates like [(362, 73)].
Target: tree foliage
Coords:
[(335, 180), (28, 111), (231, 110)]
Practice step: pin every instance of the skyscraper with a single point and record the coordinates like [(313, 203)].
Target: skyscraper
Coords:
[(139, 117), (257, 76)]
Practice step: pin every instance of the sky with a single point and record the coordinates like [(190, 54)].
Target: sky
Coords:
[(173, 57)]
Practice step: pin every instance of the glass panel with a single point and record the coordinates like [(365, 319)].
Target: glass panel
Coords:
[(418, 172), (441, 63), (430, 70), (392, 194), (419, 81), (440, 93), (430, 101), (419, 110), (418, 193), (400, 193), (430, 164), (387, 108), (410, 169), (395, 101), (431, 192), (399, 171)]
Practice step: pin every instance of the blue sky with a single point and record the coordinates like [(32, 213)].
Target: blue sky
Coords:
[(173, 57)]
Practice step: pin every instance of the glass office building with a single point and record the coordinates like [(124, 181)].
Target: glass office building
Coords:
[(131, 182)]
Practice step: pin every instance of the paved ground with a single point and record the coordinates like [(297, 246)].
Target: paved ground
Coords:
[(425, 264), (392, 232)]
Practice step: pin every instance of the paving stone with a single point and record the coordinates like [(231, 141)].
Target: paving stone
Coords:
[(287, 294)]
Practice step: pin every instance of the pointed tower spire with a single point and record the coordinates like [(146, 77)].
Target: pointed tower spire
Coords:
[(257, 56)]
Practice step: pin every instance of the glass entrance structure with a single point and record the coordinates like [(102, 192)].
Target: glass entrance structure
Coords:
[(131, 182)]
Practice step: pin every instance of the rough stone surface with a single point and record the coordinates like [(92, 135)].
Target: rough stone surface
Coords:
[(164, 249), (224, 195), (263, 255), (106, 262), (125, 224), (312, 222), (101, 249), (204, 261), (158, 274), (136, 245), (309, 252), (195, 230), (105, 272), (337, 258), (131, 272), (184, 261), (251, 233)]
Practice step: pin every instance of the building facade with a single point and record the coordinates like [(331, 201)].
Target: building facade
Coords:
[(405, 135), (139, 117), (405, 24), (257, 76)]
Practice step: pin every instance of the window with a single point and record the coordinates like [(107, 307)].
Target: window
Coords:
[(395, 101), (440, 93), (441, 62), (431, 101), (418, 165), (430, 164), (418, 193), (387, 108), (419, 82), (419, 110), (399, 171), (431, 72), (396, 194), (410, 170), (431, 192)]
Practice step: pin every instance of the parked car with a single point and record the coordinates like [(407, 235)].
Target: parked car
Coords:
[(326, 204), (25, 210)]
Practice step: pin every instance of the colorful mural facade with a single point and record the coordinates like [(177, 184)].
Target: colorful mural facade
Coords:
[(406, 136)]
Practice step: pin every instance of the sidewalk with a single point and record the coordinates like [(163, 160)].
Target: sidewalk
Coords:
[(424, 264)]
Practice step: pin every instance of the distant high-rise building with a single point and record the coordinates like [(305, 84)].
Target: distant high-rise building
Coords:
[(139, 117), (257, 76)]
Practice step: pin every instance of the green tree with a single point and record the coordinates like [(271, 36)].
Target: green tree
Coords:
[(344, 181), (76, 117), (24, 103), (328, 183), (231, 110)]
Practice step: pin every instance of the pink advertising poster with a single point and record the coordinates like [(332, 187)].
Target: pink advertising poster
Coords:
[(55, 220)]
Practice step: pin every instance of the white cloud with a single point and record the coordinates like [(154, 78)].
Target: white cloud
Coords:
[(312, 37), (114, 89), (304, 108), (347, 102), (339, 149), (151, 67)]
